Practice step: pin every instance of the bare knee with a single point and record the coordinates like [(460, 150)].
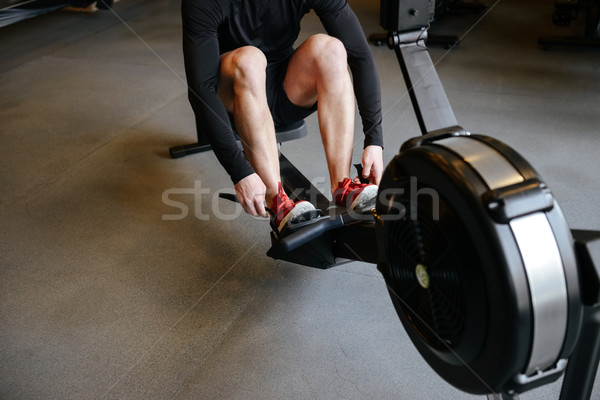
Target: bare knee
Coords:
[(247, 66), (329, 54)]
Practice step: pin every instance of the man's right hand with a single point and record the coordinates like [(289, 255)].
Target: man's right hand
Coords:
[(251, 195)]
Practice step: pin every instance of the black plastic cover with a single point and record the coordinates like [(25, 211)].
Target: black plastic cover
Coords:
[(406, 15)]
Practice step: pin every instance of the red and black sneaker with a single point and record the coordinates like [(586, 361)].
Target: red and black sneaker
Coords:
[(285, 210), (354, 195)]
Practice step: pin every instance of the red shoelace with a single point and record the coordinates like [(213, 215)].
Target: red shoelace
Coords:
[(282, 205), (346, 188)]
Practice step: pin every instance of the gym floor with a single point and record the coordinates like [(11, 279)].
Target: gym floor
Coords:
[(122, 275)]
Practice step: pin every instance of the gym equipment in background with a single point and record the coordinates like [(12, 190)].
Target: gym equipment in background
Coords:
[(564, 13)]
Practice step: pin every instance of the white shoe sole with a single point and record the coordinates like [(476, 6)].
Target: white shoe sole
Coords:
[(298, 210), (365, 198)]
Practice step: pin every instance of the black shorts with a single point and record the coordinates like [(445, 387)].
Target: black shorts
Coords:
[(284, 112)]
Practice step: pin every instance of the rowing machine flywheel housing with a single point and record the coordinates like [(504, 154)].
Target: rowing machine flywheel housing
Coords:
[(479, 263)]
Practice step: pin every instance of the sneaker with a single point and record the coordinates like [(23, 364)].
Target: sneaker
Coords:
[(285, 210), (354, 195)]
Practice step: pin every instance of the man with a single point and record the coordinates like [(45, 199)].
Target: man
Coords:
[(240, 62)]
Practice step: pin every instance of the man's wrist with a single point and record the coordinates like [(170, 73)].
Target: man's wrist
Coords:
[(241, 175)]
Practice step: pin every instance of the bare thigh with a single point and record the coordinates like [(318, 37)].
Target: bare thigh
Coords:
[(300, 84), (319, 61)]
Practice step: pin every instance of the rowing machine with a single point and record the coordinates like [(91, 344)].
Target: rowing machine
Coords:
[(491, 285), (498, 295)]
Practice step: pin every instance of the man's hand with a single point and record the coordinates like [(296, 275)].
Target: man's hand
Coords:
[(251, 195), (372, 161)]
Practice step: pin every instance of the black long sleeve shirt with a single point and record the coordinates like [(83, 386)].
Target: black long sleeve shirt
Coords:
[(214, 27)]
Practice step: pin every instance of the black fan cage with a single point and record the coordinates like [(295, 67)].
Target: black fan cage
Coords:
[(436, 306)]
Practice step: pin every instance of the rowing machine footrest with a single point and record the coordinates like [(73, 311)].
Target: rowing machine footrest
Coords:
[(308, 243)]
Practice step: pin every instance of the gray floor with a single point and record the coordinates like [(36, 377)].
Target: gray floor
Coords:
[(121, 278)]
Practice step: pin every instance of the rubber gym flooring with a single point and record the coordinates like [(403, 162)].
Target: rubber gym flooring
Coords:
[(123, 276)]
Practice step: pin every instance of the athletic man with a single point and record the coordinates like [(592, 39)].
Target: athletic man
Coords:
[(240, 62)]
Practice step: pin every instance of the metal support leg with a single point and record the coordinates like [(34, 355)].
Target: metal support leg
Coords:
[(583, 363)]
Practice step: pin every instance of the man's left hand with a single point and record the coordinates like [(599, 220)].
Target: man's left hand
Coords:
[(372, 161)]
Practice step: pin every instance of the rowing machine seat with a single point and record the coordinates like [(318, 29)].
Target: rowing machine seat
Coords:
[(284, 133)]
